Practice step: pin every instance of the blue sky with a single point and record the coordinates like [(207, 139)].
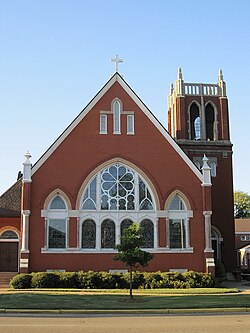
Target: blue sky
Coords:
[(55, 56)]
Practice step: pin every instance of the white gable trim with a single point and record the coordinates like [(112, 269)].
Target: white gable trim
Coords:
[(142, 106)]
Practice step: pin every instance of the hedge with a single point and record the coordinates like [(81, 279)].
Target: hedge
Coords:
[(105, 280)]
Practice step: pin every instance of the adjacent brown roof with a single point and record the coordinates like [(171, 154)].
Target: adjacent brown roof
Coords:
[(242, 225), (10, 201)]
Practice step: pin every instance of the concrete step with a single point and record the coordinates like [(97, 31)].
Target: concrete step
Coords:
[(5, 278)]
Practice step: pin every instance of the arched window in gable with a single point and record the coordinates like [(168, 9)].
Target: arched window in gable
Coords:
[(117, 117), (195, 122), (210, 123), (114, 197)]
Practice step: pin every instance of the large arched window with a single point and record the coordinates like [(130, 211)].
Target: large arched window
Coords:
[(117, 188), (177, 223), (57, 228), (210, 123)]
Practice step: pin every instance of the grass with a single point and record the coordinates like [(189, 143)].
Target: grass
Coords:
[(106, 301)]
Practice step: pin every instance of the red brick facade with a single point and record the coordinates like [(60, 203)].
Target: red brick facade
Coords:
[(81, 152)]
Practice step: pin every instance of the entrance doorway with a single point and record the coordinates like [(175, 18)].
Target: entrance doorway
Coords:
[(9, 251)]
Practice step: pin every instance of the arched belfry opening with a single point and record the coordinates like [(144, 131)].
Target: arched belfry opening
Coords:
[(195, 122), (210, 123)]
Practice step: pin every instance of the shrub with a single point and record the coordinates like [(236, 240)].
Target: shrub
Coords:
[(45, 280), (106, 280), (21, 281), (68, 280)]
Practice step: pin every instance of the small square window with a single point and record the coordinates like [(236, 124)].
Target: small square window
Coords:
[(130, 124)]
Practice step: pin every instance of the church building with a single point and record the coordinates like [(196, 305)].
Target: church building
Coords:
[(116, 164)]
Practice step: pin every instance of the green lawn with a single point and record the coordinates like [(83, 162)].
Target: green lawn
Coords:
[(107, 301)]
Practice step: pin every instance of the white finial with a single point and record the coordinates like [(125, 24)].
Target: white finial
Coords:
[(28, 156), (171, 88), (116, 60), (179, 74), (206, 172), (27, 168), (220, 75)]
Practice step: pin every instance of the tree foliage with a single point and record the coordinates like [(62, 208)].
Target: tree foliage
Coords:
[(241, 205), (129, 251)]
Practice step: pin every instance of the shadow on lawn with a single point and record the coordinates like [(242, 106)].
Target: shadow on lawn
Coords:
[(112, 302)]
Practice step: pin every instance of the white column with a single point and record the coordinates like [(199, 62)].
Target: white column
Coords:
[(203, 119), (25, 231), (46, 233), (156, 233), (167, 234), (117, 234), (208, 241), (187, 233), (98, 237), (78, 236)]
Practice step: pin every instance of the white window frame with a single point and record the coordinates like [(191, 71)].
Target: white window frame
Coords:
[(130, 124), (103, 124)]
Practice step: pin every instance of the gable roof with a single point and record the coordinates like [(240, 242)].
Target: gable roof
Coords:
[(10, 201), (117, 78)]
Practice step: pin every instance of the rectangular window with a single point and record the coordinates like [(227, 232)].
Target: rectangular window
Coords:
[(177, 234), (130, 124), (103, 124), (57, 234)]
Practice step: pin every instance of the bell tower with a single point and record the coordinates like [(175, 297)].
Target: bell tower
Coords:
[(198, 119)]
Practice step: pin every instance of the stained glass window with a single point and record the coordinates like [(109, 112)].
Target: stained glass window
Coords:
[(124, 225), (108, 234), (177, 234), (117, 189), (147, 232), (144, 196), (89, 199), (57, 203), (177, 203), (88, 234), (57, 233)]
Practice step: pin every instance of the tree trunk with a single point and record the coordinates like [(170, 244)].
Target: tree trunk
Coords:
[(130, 283)]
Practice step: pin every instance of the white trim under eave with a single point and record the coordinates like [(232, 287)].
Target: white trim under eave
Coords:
[(117, 78), (74, 123)]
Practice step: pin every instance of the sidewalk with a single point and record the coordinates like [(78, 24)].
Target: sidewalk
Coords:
[(243, 285)]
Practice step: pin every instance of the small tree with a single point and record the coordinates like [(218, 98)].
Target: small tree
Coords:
[(129, 251), (241, 205)]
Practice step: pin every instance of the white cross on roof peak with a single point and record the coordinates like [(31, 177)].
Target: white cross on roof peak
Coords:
[(116, 60)]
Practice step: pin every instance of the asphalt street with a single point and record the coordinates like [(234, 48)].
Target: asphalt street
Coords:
[(221, 323)]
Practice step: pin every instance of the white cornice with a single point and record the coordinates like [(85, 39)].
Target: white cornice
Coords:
[(117, 78)]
